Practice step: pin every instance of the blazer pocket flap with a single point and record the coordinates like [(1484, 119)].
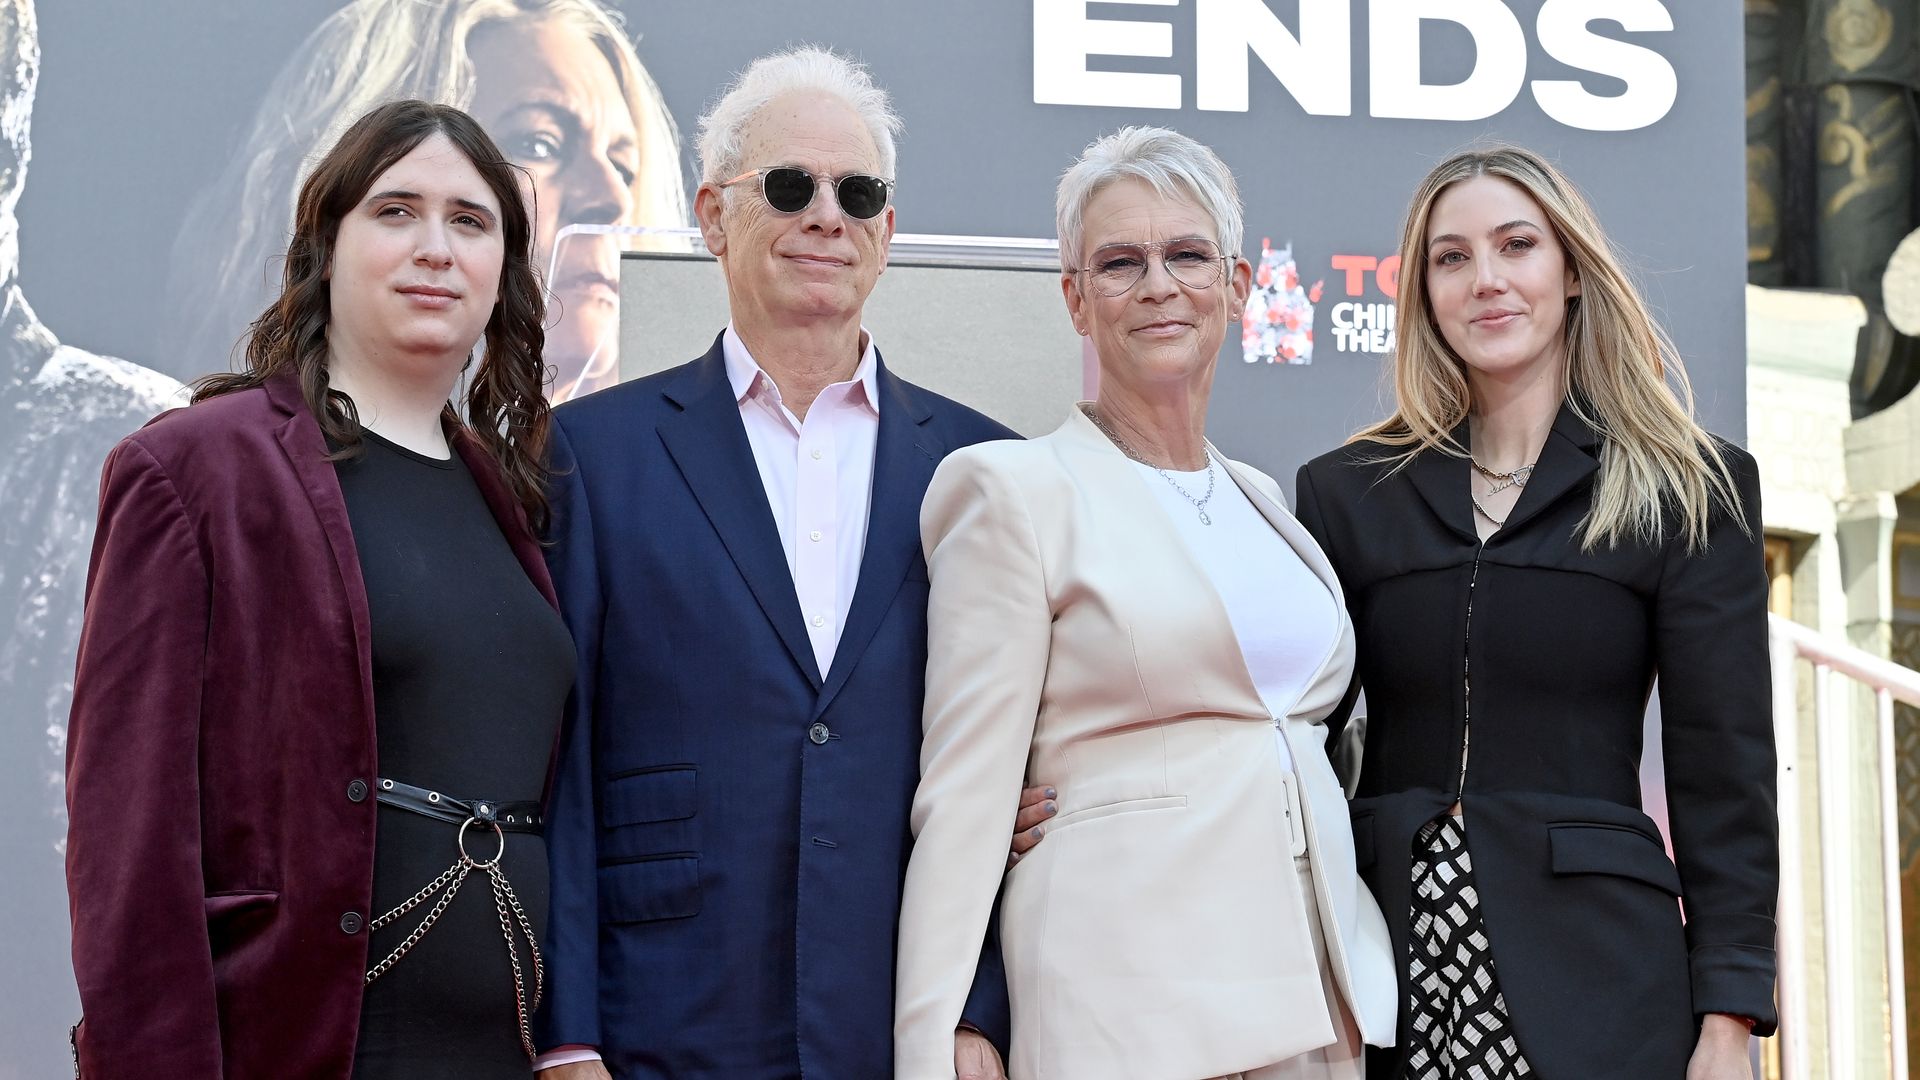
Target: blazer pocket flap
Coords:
[(1610, 849), (649, 795), (649, 888), (1123, 806)]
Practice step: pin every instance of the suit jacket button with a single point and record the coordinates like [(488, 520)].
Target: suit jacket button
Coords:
[(350, 923), (356, 790), (818, 733)]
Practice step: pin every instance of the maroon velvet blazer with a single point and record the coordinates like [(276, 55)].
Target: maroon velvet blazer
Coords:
[(221, 751)]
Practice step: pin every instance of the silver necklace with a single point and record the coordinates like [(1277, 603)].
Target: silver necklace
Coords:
[(1199, 504), (1498, 482), (1501, 481), (1498, 523)]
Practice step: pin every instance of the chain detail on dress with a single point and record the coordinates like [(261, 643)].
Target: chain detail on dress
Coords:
[(504, 901)]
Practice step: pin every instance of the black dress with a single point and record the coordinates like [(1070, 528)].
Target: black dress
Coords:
[(1601, 977), (471, 669)]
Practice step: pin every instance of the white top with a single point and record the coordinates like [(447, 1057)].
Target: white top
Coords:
[(1281, 612)]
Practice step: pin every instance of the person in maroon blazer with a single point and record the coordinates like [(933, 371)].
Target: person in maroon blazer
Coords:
[(321, 674)]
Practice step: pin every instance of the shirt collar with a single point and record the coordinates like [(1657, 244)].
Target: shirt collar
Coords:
[(744, 373)]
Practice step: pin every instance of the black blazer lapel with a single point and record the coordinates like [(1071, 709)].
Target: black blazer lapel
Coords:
[(904, 456), (1441, 480), (1566, 459), (709, 445)]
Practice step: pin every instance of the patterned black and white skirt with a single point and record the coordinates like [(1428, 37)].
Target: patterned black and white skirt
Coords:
[(1461, 1030)]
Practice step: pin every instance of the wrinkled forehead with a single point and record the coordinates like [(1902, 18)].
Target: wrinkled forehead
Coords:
[(812, 129), (1194, 243), (1132, 211)]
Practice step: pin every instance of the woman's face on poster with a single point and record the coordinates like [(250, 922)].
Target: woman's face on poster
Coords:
[(549, 96)]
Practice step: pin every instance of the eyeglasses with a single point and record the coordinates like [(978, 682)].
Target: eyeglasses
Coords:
[(1116, 268), (790, 190)]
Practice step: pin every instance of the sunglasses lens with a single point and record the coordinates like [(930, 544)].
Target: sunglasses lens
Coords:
[(862, 196), (788, 190)]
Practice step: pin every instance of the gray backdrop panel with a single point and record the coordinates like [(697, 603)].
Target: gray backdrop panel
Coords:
[(1021, 366)]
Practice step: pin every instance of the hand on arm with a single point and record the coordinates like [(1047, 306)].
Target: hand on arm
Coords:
[(974, 1058), (987, 651), (1036, 806)]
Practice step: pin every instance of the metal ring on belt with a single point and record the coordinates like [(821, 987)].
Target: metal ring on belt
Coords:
[(517, 817)]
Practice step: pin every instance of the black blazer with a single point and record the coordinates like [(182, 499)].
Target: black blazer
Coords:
[(1600, 975)]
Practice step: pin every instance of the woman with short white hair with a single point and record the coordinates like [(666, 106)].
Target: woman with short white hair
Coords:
[(1124, 613)]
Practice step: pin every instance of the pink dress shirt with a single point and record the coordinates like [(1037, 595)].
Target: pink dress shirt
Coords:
[(818, 476)]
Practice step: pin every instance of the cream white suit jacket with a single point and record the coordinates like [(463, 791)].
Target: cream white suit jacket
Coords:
[(1158, 932)]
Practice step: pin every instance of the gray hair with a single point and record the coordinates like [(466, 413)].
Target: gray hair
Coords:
[(807, 68), (1174, 165)]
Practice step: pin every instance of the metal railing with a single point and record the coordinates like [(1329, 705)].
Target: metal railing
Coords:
[(1888, 682)]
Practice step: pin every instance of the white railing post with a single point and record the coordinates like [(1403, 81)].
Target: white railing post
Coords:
[(1836, 872), (1890, 881), (1791, 914), (1835, 749)]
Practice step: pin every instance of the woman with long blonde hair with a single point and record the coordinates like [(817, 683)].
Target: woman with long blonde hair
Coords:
[(555, 82), (1539, 530)]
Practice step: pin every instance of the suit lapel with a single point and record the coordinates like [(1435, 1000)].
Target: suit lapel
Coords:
[(306, 450), (905, 453), (709, 445), (1566, 459), (1159, 550), (1441, 480)]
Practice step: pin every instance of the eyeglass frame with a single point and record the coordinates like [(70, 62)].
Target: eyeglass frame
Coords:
[(1151, 248), (886, 183)]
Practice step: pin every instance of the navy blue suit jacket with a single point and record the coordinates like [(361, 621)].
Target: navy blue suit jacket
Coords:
[(728, 830)]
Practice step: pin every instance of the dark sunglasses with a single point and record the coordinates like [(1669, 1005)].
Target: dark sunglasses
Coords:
[(790, 190)]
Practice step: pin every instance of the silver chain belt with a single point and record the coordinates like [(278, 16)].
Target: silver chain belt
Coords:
[(505, 904)]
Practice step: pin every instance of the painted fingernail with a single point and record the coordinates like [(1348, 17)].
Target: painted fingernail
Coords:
[(1049, 793), (1037, 831), (1013, 857), (1052, 809)]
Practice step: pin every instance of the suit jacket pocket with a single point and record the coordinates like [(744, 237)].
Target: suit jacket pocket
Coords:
[(1124, 806), (1584, 848), (648, 887), (237, 927), (659, 793)]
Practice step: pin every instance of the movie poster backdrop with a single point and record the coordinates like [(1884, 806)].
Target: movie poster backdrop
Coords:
[(165, 142)]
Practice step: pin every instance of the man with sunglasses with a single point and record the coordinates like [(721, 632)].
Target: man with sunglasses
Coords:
[(737, 552)]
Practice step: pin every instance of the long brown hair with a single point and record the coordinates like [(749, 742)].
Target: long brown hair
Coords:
[(1624, 377), (506, 409)]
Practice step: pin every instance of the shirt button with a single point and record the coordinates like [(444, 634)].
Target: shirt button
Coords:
[(356, 790), (818, 733), (819, 620), (814, 536), (350, 923), (816, 455)]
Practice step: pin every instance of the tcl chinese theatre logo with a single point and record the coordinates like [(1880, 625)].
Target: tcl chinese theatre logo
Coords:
[(1278, 326)]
